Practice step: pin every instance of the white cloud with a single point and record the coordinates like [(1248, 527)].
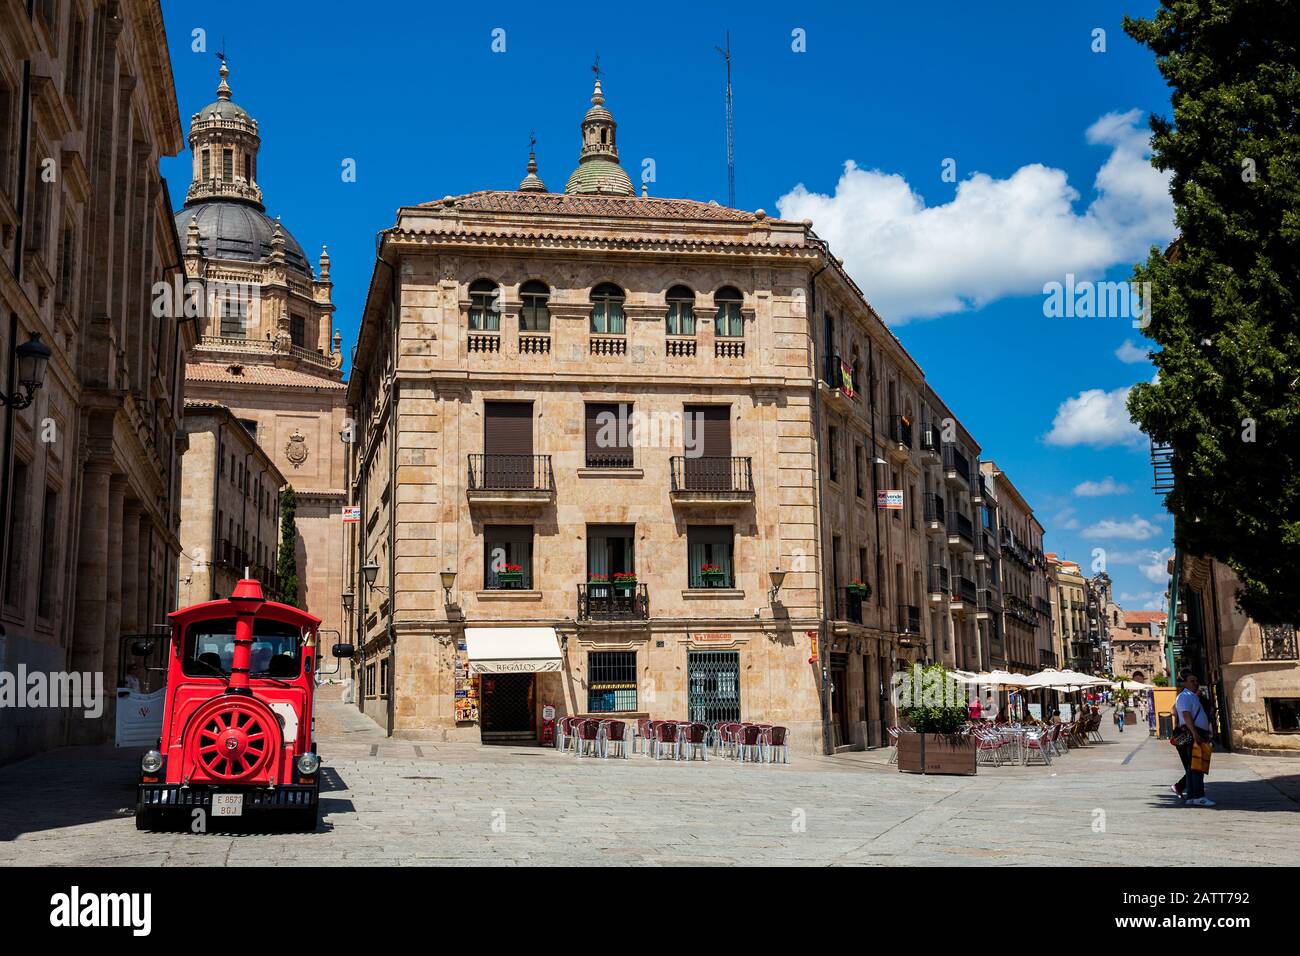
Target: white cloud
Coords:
[(1130, 354), (1096, 489), (1156, 570), (1094, 417), (995, 237), (1065, 520), (1135, 528), (1144, 601)]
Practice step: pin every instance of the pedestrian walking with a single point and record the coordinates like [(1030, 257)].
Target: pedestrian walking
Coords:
[(1193, 739), (1119, 716)]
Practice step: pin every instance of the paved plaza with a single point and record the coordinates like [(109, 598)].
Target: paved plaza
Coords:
[(426, 803)]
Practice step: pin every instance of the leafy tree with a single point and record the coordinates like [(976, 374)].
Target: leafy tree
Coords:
[(932, 702), (286, 564), (1223, 297)]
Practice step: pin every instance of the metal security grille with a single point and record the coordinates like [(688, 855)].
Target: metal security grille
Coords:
[(611, 681), (714, 693)]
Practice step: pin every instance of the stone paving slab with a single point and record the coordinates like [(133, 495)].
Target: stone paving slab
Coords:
[(399, 802)]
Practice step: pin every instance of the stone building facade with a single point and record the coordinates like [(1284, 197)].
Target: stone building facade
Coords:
[(1025, 612), (1252, 671), (266, 348), (90, 472), (620, 422), (1071, 633), (230, 507)]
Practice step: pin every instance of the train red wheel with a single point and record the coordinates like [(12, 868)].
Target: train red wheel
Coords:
[(233, 739)]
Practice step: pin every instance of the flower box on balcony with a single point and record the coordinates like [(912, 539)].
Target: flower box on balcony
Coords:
[(510, 577), (624, 581), (859, 588), (711, 575)]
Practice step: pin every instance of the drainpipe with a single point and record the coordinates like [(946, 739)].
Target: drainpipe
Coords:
[(827, 615), (216, 498), (11, 367)]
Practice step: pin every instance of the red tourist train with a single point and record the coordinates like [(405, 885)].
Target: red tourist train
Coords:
[(237, 736)]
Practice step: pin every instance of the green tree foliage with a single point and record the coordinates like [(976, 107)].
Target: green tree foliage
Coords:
[(1223, 296), (932, 703), (286, 565)]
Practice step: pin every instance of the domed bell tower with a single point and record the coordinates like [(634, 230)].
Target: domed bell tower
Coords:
[(224, 143)]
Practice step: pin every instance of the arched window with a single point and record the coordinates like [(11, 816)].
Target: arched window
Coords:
[(729, 323), (607, 309), (681, 311), (484, 306), (535, 316)]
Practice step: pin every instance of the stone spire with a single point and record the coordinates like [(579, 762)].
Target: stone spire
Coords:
[(532, 183), (598, 169), (223, 88)]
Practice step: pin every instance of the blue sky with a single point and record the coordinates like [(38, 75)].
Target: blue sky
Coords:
[(414, 93)]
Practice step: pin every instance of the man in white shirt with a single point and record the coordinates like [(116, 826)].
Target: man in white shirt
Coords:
[(1190, 713)]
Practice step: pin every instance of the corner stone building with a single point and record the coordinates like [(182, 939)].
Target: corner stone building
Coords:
[(88, 498), (508, 337), (266, 353)]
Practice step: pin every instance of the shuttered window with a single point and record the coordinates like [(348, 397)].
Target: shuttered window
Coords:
[(609, 435)]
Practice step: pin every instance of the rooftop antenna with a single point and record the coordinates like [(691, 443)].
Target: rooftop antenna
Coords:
[(731, 129)]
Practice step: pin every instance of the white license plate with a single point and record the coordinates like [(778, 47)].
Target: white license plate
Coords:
[(227, 804)]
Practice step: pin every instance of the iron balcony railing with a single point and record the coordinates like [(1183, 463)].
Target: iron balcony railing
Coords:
[(955, 461), (964, 589), (900, 430), (1279, 642), (722, 476), (962, 526), (834, 376), (613, 602), (929, 437), (511, 473), (987, 600), (934, 508), (938, 579), (1043, 606), (909, 619), (615, 458), (848, 605)]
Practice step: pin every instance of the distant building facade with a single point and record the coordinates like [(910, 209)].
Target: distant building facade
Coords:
[(230, 507)]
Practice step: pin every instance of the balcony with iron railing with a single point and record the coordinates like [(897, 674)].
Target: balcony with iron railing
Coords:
[(909, 620), (613, 602), (938, 581), (934, 513), (964, 591), (979, 489), (510, 480), (956, 466), (848, 605), (986, 603), (900, 437), (711, 481), (930, 443), (961, 532)]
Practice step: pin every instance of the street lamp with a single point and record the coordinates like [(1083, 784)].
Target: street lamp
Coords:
[(448, 581), (777, 577), (347, 600), (33, 357), (370, 572)]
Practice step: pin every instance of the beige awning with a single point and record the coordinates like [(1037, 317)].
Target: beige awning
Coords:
[(513, 650)]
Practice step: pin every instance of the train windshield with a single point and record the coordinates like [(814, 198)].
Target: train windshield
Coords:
[(210, 647)]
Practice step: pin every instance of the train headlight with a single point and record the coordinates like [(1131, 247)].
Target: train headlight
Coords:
[(151, 762), (308, 764)]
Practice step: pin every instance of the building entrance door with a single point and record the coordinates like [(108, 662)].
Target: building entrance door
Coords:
[(714, 689), (839, 700), (507, 711)]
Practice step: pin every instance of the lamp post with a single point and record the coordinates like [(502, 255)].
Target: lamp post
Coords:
[(347, 600), (448, 581), (370, 572), (33, 358), (777, 577)]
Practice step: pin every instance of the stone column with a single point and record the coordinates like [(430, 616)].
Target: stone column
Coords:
[(112, 621), (92, 588), (131, 623)]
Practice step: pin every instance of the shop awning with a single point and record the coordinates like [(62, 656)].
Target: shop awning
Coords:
[(512, 650)]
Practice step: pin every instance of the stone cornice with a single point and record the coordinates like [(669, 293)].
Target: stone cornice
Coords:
[(408, 241)]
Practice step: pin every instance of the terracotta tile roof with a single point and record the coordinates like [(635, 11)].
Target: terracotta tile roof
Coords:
[(552, 204), (1144, 617), (256, 375)]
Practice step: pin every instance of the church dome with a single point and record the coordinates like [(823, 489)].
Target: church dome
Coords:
[(238, 230), (224, 109), (600, 176)]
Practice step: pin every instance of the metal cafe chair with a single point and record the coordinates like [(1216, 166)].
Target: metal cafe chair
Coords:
[(588, 738), (613, 736), (748, 743), (666, 734), (777, 738)]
